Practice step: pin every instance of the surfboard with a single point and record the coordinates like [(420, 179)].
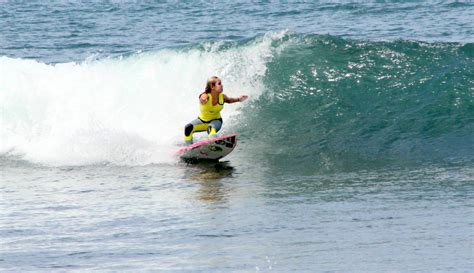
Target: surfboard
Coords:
[(212, 149)]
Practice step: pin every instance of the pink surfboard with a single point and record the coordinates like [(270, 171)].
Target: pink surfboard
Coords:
[(211, 149)]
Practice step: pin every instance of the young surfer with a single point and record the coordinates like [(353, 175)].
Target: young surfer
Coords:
[(211, 103)]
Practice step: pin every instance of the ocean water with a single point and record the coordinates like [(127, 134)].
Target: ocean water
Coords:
[(355, 148)]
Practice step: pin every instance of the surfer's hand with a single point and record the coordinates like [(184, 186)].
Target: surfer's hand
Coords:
[(242, 98), (203, 98)]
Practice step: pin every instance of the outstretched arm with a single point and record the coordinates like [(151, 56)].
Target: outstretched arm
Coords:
[(232, 100)]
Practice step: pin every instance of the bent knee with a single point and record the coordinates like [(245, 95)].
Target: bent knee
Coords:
[(188, 129)]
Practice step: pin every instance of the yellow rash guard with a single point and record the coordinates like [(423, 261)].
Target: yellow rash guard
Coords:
[(209, 111)]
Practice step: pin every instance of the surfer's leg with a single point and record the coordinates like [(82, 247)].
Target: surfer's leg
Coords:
[(194, 126), (214, 127)]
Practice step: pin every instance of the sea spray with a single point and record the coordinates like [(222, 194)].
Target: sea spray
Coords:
[(120, 110)]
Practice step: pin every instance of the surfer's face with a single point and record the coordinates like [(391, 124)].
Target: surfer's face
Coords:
[(218, 86)]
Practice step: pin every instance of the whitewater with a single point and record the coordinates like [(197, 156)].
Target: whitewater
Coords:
[(125, 111)]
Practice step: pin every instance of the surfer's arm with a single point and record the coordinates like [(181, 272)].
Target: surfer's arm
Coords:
[(232, 100)]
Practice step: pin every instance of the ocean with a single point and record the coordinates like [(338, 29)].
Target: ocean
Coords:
[(355, 150)]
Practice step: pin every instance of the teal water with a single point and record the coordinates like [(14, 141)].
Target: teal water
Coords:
[(355, 148), (365, 104)]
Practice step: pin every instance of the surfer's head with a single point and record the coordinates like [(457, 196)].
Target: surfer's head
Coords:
[(214, 83)]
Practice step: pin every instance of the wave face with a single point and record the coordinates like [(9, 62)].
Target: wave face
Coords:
[(337, 104), (317, 102)]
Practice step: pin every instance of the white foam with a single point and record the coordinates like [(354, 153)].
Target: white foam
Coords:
[(126, 111)]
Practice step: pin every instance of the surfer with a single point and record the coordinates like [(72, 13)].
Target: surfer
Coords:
[(211, 103)]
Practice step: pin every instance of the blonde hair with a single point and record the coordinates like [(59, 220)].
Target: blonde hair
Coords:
[(210, 83)]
